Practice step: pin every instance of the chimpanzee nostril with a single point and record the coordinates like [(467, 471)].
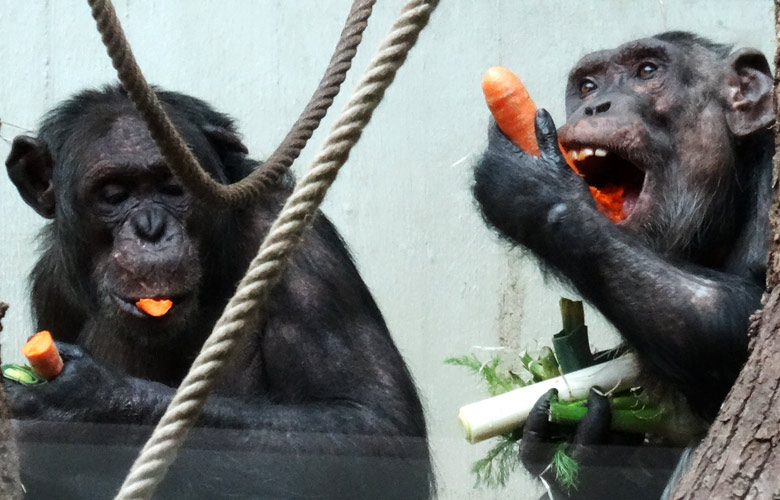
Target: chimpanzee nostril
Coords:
[(599, 108), (149, 223)]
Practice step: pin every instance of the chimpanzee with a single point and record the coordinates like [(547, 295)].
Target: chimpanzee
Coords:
[(682, 126), (323, 400)]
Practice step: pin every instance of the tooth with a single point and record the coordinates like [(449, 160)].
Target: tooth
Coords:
[(600, 152), (573, 155), (585, 152)]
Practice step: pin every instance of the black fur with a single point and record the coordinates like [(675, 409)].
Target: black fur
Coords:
[(681, 275), (321, 364)]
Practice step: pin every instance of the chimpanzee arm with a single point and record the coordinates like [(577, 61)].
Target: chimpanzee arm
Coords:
[(688, 321), (241, 448)]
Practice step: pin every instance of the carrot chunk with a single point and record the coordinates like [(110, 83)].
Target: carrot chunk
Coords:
[(512, 107), (154, 307), (609, 200), (43, 355), (515, 114)]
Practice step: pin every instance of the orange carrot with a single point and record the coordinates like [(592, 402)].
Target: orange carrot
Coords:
[(609, 200), (43, 355), (512, 107), (154, 307), (515, 114)]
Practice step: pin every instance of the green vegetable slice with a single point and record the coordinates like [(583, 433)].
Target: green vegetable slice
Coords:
[(22, 374)]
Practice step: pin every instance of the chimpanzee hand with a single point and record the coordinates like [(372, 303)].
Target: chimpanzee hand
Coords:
[(608, 463), (521, 193), (83, 391)]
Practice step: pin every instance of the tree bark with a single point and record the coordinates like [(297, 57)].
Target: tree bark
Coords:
[(10, 484), (740, 457)]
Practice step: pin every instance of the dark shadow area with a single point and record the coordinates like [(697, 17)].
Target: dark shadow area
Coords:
[(86, 461)]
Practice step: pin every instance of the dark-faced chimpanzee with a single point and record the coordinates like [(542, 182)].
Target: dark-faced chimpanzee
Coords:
[(682, 126), (324, 403)]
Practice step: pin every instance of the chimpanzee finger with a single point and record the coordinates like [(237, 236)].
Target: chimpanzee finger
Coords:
[(593, 429), (547, 137), (497, 139), (594, 426), (537, 424), (69, 352), (535, 448)]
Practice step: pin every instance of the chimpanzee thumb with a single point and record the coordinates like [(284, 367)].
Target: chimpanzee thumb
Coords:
[(547, 137)]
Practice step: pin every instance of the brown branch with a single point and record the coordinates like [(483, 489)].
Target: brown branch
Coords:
[(10, 484)]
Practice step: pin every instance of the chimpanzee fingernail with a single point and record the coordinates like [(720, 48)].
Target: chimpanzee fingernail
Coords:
[(556, 214), (543, 119)]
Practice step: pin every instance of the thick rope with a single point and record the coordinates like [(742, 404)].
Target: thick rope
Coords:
[(180, 159), (241, 313)]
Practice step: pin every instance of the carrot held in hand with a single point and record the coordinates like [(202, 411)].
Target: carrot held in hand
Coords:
[(515, 114), (512, 107), (43, 355), (154, 307)]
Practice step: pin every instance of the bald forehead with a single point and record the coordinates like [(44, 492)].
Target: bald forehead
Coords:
[(126, 140)]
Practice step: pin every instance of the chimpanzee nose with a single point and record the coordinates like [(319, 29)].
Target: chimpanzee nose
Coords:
[(598, 108), (149, 223)]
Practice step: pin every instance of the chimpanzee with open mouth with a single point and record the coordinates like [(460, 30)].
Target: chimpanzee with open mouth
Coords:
[(664, 228)]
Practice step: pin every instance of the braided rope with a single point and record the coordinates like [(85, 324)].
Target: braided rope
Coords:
[(273, 255), (180, 159)]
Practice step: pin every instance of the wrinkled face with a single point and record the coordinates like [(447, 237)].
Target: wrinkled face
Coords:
[(142, 229), (646, 120)]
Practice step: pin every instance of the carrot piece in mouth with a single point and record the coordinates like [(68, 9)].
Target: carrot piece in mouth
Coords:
[(154, 307)]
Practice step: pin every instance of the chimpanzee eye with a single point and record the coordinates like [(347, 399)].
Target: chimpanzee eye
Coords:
[(646, 69), (171, 190), (587, 86), (114, 194)]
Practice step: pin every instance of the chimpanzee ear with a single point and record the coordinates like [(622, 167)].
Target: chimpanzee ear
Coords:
[(748, 100), (224, 140), (30, 169)]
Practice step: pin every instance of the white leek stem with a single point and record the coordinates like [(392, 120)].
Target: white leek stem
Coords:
[(505, 412)]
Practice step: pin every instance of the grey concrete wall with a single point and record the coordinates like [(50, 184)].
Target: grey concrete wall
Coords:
[(443, 281)]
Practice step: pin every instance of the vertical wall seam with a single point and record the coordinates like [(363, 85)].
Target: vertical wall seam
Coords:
[(47, 97)]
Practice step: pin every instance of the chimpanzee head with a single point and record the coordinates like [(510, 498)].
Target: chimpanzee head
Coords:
[(665, 119), (122, 227)]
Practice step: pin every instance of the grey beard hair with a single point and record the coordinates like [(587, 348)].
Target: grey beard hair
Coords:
[(687, 216)]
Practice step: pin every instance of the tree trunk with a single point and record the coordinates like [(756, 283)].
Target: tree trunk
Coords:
[(10, 485), (740, 457)]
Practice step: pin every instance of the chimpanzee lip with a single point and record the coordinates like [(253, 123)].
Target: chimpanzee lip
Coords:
[(128, 304), (603, 165)]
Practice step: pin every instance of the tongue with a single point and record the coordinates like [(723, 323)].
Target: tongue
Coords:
[(630, 202), (154, 307)]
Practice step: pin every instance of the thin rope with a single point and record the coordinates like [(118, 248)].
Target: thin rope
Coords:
[(180, 159), (241, 312)]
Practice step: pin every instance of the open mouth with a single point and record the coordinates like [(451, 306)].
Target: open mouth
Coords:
[(614, 181)]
